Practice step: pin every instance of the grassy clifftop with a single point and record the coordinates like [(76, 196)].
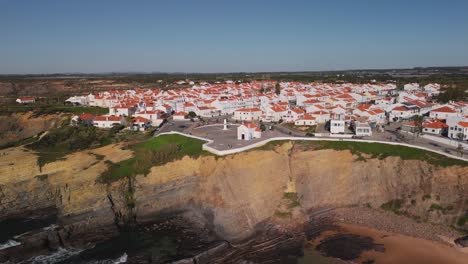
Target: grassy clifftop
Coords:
[(156, 151), (376, 151), (166, 148)]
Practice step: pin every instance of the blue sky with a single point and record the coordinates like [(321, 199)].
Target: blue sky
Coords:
[(224, 36)]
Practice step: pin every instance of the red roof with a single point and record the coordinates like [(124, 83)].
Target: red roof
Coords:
[(311, 101), (251, 125), (86, 116), (181, 114), (147, 112), (140, 119), (463, 124), (308, 117), (298, 111), (444, 109), (436, 124), (253, 109), (320, 113), (400, 108), (26, 98), (277, 108), (108, 118)]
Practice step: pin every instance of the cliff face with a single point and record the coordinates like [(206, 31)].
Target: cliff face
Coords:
[(23, 125), (233, 194)]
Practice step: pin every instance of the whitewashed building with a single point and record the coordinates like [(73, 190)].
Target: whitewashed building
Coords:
[(108, 121), (337, 126), (248, 114), (248, 131), (363, 129)]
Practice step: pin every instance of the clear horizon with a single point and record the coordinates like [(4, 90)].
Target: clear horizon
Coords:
[(47, 37)]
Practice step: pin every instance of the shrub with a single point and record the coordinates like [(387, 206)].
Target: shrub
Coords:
[(393, 205)]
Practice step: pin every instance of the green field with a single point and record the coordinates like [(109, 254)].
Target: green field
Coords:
[(156, 151)]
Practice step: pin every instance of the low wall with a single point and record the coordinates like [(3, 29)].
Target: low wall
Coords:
[(212, 125), (261, 143), (341, 136)]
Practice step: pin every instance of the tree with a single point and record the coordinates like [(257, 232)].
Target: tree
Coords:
[(460, 148), (400, 85), (191, 114), (455, 94), (277, 88), (129, 121), (418, 120)]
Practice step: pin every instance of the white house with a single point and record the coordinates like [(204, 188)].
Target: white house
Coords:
[(141, 123), (321, 116), (459, 130), (338, 112), (153, 116), (375, 115), (190, 107), (122, 110), (78, 100), (435, 127), (25, 100), (443, 113), (248, 114), (306, 120), (292, 115), (166, 108), (180, 116), (402, 112), (207, 111), (432, 89), (363, 129), (274, 113), (248, 131), (108, 121), (411, 86), (337, 126)]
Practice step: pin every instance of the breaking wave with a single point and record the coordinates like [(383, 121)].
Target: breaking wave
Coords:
[(58, 256), (64, 255), (9, 243), (121, 259)]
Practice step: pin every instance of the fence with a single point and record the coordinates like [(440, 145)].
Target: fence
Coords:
[(263, 142)]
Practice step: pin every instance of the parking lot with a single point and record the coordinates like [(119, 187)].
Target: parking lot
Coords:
[(227, 139)]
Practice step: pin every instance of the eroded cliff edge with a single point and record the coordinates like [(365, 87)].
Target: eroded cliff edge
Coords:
[(232, 194)]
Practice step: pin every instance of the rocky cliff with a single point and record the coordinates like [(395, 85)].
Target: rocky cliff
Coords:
[(239, 190), (232, 195), (19, 126)]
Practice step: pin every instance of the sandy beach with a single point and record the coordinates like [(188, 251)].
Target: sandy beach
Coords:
[(397, 248)]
